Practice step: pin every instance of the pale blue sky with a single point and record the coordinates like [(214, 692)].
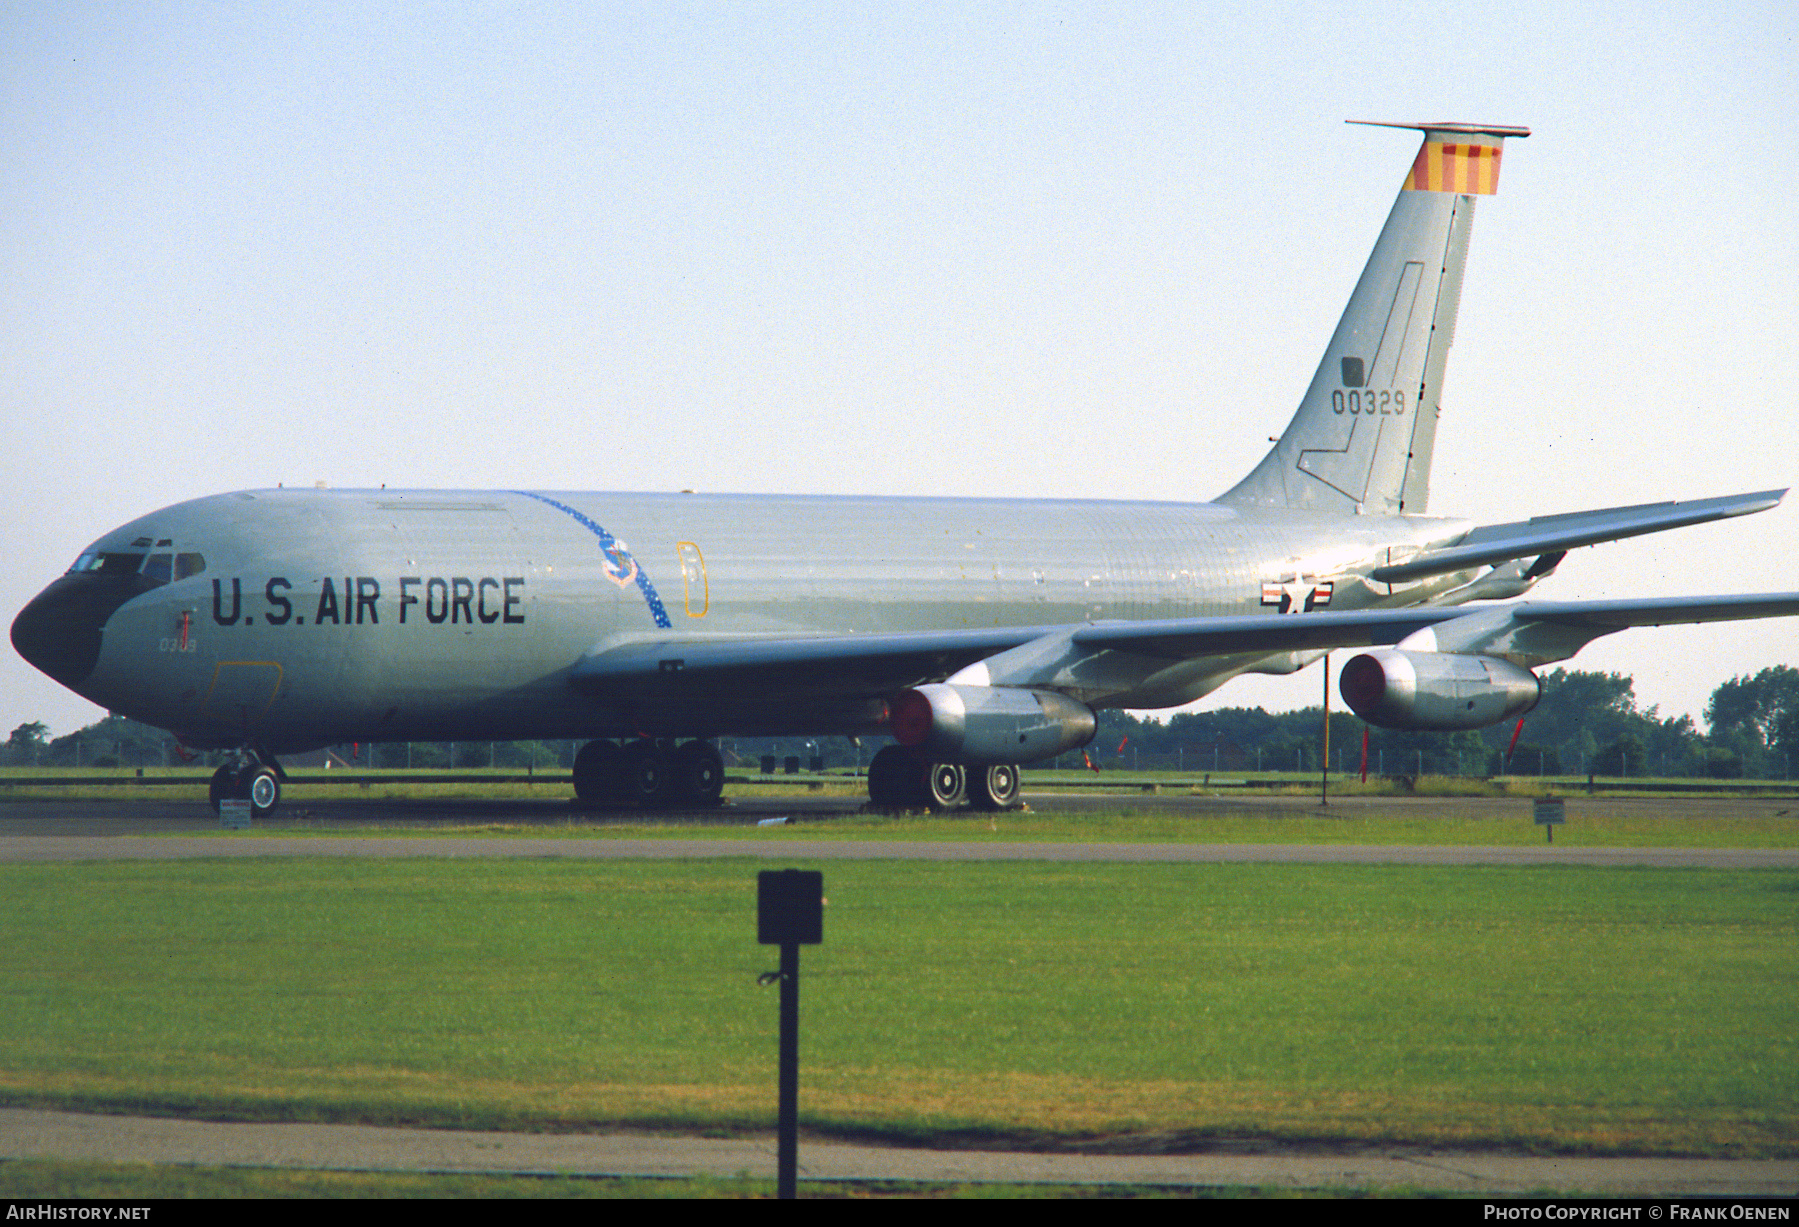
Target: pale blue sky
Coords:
[(1020, 250)]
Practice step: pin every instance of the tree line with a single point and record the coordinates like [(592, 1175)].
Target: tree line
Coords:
[(1585, 723)]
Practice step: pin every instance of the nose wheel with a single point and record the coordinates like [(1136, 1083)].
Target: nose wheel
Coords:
[(263, 788), (256, 782)]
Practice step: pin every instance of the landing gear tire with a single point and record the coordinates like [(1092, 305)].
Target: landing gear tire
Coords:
[(699, 774), (223, 785), (255, 783), (263, 788), (599, 766), (896, 779), (648, 774), (946, 786), (994, 787)]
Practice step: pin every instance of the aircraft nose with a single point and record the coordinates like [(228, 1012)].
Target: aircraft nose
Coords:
[(60, 630)]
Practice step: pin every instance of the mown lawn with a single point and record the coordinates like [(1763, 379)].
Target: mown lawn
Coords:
[(1553, 1008)]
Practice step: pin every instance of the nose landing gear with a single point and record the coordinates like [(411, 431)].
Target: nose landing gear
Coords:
[(254, 777)]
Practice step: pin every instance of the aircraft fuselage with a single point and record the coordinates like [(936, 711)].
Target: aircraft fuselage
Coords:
[(383, 615)]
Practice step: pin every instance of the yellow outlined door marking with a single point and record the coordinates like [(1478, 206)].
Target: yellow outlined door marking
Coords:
[(242, 691), (693, 579)]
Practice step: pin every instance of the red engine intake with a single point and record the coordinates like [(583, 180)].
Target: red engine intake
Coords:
[(990, 724)]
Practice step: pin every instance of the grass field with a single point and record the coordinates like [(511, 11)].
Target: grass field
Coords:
[(1137, 1006), (1635, 824)]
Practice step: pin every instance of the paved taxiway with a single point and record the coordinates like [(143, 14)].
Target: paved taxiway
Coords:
[(113, 830), (108, 830), (33, 1134)]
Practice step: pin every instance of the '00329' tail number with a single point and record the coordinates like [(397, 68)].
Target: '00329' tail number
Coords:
[(1368, 400)]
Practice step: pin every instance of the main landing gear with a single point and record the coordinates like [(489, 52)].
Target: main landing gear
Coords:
[(899, 779), (253, 778), (649, 774)]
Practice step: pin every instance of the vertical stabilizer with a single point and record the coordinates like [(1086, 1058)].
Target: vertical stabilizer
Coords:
[(1362, 438)]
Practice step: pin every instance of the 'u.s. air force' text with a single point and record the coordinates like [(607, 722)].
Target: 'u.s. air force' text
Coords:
[(435, 599)]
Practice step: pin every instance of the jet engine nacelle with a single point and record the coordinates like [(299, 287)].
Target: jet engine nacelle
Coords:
[(1436, 691), (990, 724)]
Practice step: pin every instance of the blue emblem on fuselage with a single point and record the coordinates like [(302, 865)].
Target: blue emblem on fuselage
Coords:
[(620, 567), (615, 559)]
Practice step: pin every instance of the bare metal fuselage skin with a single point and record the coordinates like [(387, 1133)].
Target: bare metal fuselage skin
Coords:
[(380, 615)]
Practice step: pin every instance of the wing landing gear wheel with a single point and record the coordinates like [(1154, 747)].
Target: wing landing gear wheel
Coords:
[(648, 774), (946, 785), (699, 774), (994, 787), (896, 779), (599, 766)]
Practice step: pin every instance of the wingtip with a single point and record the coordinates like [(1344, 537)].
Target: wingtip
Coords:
[(1762, 500)]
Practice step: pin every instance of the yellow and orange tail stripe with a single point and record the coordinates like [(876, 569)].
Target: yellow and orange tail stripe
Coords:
[(1442, 167)]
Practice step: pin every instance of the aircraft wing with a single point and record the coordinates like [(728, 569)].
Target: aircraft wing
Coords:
[(873, 665), (804, 664), (1495, 543), (1657, 611)]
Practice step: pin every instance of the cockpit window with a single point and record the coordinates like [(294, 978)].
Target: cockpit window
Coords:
[(106, 563), (157, 568)]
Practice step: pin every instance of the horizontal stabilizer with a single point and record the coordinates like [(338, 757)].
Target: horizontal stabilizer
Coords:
[(1533, 633), (1184, 638), (1495, 543), (1660, 611)]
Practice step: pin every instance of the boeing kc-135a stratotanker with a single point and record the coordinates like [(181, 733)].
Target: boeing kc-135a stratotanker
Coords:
[(978, 633)]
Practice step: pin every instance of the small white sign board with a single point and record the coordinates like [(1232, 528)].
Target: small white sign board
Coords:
[(234, 813)]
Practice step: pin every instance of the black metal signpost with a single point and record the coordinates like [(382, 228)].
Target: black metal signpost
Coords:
[(1550, 813), (789, 913)]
